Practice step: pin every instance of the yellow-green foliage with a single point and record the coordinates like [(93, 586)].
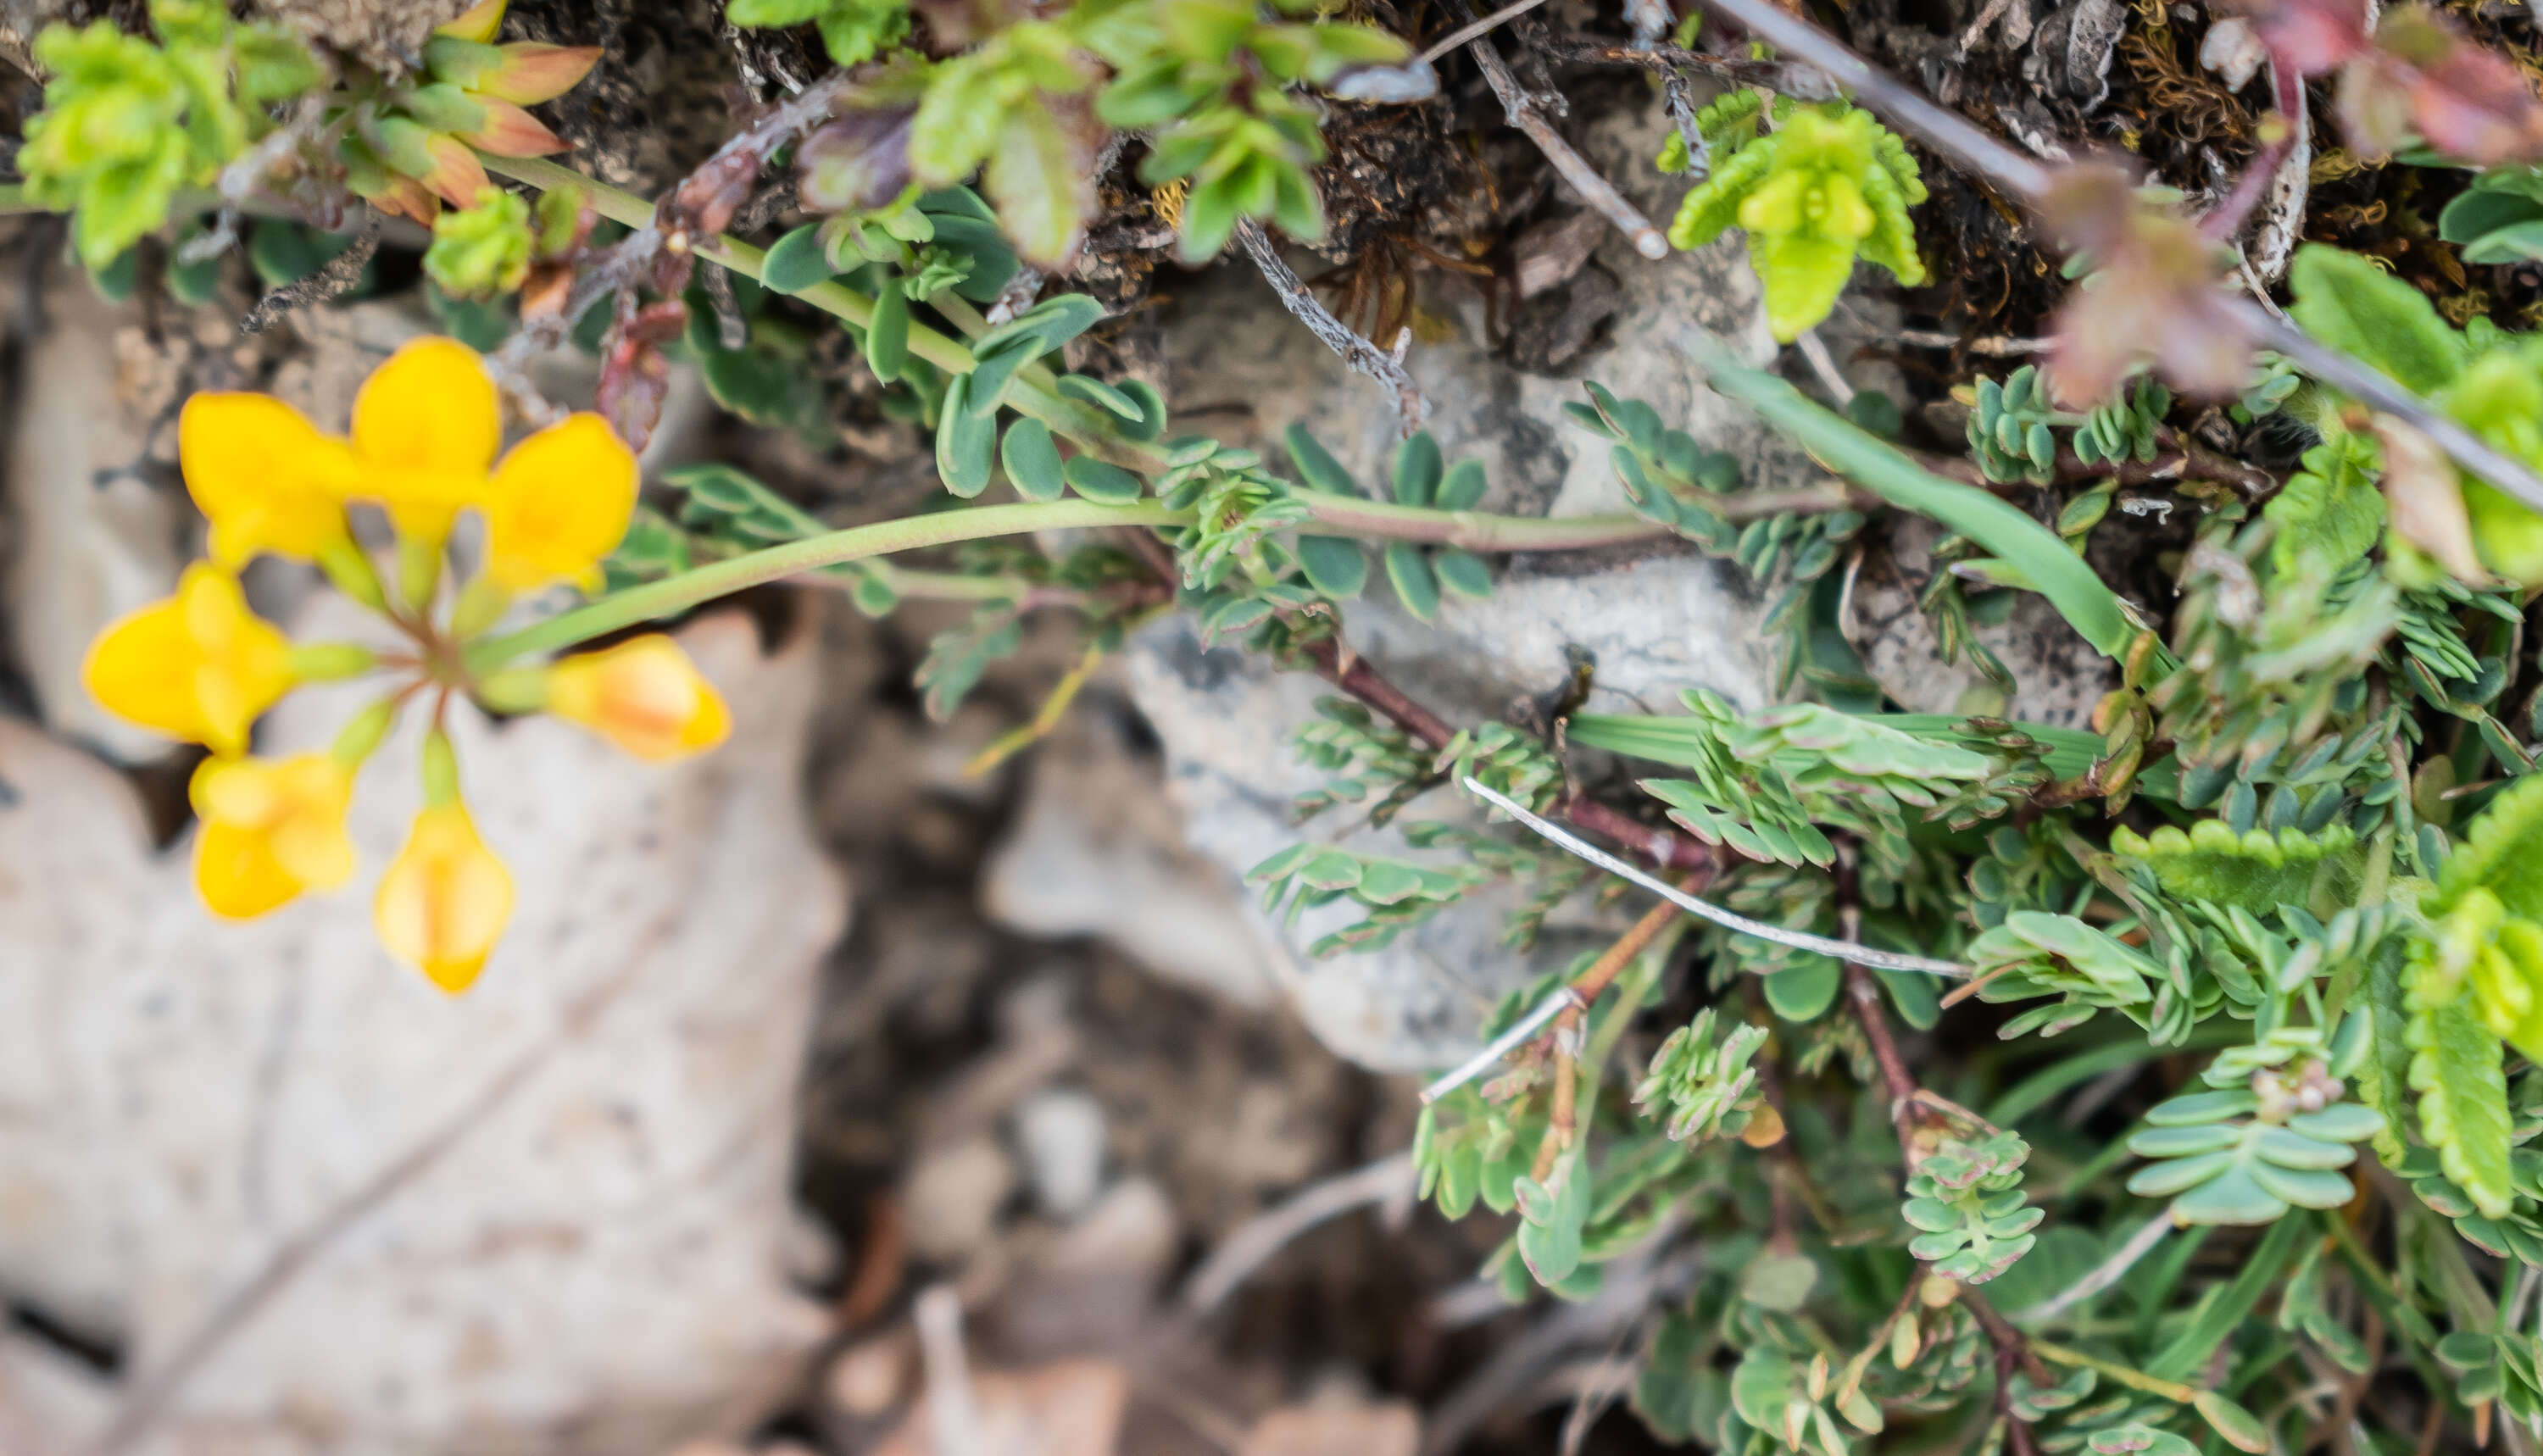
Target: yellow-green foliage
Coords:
[(2257, 871), (1828, 185), (127, 123)]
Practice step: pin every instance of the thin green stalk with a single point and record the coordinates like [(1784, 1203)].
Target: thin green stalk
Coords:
[(2133, 1379), (1088, 428), (1474, 530), (678, 593)]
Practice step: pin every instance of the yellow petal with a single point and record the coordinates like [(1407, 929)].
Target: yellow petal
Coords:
[(127, 670), (198, 665), (270, 829), (263, 475), (444, 903), (425, 428), (559, 502), (642, 695), (478, 23), (237, 874)]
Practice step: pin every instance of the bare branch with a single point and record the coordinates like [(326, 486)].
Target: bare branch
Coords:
[(1355, 351), (1522, 113), (338, 276), (1471, 29)]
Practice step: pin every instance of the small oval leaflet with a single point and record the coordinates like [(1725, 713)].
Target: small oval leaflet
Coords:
[(1033, 461), (795, 262), (1099, 482), (1462, 572), (1316, 465), (1334, 564), (1416, 469), (964, 442), (1100, 394), (887, 336), (1414, 584)]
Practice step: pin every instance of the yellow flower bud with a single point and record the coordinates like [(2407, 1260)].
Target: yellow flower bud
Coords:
[(444, 903), (270, 829), (559, 502), (198, 667), (642, 695)]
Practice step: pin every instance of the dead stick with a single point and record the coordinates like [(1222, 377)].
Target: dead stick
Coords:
[(1521, 113), (1356, 351), (1587, 987)]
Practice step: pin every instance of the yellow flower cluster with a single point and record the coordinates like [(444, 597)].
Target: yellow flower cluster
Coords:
[(201, 666)]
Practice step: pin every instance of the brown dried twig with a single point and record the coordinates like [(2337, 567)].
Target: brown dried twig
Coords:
[(1366, 357), (1521, 112)]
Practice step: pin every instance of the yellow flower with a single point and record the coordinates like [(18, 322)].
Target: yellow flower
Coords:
[(425, 428), (444, 903), (270, 830), (198, 666), (642, 694), (559, 502), (262, 476)]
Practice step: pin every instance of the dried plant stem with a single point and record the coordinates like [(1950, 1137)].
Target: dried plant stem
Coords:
[(1521, 112), (1366, 357), (1585, 988), (1472, 28), (2026, 181)]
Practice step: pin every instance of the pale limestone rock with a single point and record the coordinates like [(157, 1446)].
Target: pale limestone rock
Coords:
[(592, 1262)]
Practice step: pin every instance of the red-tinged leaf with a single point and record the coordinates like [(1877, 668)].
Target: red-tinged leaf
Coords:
[(457, 177), (2477, 107), (707, 201), (856, 162), (2426, 80), (404, 196), (2426, 502), (510, 131), (2150, 263), (532, 72), (635, 377), (544, 291), (1040, 175), (2314, 38)]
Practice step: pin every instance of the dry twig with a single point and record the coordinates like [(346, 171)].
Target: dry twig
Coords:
[(1521, 113), (1366, 357)]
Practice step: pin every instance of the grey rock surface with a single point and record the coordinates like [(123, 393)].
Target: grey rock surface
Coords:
[(597, 1129), (1658, 619)]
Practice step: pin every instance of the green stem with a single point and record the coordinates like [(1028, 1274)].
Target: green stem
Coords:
[(2128, 1376), (678, 593), (1475, 530), (1090, 429)]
